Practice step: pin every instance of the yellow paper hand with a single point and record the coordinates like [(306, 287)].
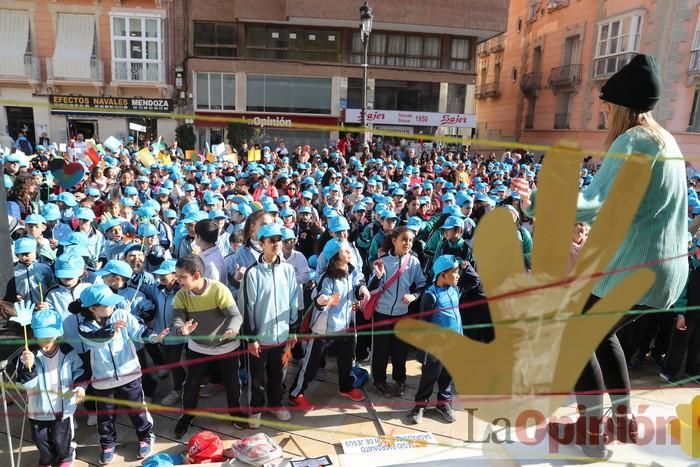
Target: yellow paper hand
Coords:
[(538, 347)]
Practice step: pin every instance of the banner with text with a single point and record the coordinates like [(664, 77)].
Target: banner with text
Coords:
[(401, 117)]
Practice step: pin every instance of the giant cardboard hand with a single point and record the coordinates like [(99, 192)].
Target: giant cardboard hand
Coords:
[(539, 348)]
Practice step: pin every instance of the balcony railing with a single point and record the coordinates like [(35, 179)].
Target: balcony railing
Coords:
[(138, 71), (566, 75), (496, 44), (28, 69), (531, 82), (561, 121), (492, 89), (81, 71), (694, 63), (607, 66)]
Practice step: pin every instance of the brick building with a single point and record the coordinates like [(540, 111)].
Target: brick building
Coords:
[(93, 55), (278, 63), (540, 80)]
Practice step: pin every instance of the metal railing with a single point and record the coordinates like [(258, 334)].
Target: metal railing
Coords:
[(607, 66), (497, 43), (531, 82), (566, 75), (31, 69), (139, 71), (75, 72), (694, 62), (561, 121)]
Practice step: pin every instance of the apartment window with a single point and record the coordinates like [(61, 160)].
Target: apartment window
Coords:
[(287, 43), (137, 49), (460, 55), (398, 50), (456, 98), (406, 95), (618, 42), (16, 42), (695, 51), (289, 94), (215, 91), (694, 123), (214, 40)]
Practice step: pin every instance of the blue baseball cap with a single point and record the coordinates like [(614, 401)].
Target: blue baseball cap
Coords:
[(67, 198), (415, 223), (127, 202), (217, 214), (25, 245), (166, 267), (117, 267), (35, 219), (75, 238), (85, 214), (99, 294), (452, 210), (444, 263), (283, 199), (359, 207), (453, 222), (269, 230), (388, 214), (244, 209), (147, 230), (286, 212), (333, 246), (93, 192), (288, 234), (448, 197), (69, 266), (338, 224), (170, 214), (305, 209), (47, 323), (270, 207), (51, 212), (130, 191), (463, 199), (110, 223)]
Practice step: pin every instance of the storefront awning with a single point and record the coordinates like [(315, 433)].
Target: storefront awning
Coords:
[(14, 34), (74, 41)]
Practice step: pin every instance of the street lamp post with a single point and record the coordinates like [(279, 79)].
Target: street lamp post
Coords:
[(365, 30)]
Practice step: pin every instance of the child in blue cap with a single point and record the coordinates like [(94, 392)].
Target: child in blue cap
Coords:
[(440, 306), (32, 278), (339, 288), (110, 333), (51, 373)]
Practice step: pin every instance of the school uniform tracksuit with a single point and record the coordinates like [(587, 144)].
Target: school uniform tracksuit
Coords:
[(50, 413), (391, 308), (441, 307), (329, 320)]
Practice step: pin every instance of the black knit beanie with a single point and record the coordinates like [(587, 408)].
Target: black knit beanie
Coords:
[(637, 85)]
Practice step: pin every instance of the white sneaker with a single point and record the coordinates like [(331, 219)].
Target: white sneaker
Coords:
[(210, 389), (282, 414), (172, 398), (92, 420), (254, 421)]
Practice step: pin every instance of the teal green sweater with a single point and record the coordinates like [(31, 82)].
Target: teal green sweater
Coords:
[(658, 230)]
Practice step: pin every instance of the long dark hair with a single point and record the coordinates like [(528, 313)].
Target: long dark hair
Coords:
[(334, 270), (388, 245), (250, 224)]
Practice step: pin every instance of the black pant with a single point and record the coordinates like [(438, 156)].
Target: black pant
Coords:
[(315, 350), (432, 372), (637, 337), (607, 369), (364, 338), (89, 404), (685, 344), (173, 354), (142, 421), (54, 440), (268, 364), (149, 383), (227, 365), (386, 345)]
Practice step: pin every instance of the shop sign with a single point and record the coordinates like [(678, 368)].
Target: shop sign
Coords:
[(400, 117), (97, 103), (222, 119)]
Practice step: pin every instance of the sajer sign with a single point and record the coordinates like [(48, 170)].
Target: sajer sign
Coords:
[(92, 103), (400, 117)]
